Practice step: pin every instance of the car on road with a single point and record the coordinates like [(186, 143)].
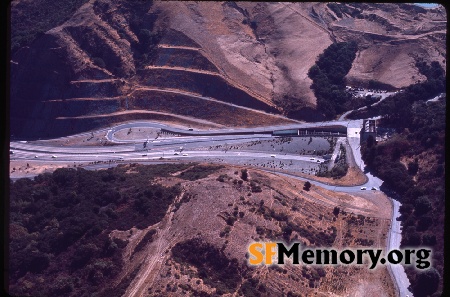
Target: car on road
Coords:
[(176, 154), (363, 188), (312, 159), (11, 152), (185, 154), (318, 161), (273, 156), (121, 158), (374, 188), (53, 156), (35, 157), (144, 155)]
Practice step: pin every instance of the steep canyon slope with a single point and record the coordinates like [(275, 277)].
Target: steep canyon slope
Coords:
[(114, 61)]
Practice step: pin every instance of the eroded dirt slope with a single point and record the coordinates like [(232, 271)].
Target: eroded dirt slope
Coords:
[(244, 53)]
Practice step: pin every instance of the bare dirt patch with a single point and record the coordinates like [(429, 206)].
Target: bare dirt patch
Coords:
[(137, 133), (354, 177), (20, 169)]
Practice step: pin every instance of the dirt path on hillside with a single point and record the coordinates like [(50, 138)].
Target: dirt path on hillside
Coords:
[(390, 38), (95, 80), (224, 75), (221, 73), (145, 111), (332, 37), (179, 47), (183, 69), (176, 91), (155, 256)]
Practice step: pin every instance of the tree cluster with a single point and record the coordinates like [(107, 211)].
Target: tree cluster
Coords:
[(418, 184), (213, 267), (59, 225), (328, 76), (33, 19), (398, 108)]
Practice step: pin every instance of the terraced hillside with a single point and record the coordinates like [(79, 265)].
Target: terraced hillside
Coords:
[(234, 64), (113, 81)]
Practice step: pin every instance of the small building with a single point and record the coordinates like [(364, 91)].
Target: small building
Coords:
[(369, 128), (289, 132), (327, 157)]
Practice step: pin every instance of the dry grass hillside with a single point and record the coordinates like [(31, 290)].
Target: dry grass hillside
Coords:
[(218, 216), (249, 54)]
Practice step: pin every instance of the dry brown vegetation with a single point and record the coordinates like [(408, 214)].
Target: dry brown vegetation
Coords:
[(250, 54), (222, 214)]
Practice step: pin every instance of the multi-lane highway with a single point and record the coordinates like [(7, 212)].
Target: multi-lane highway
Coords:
[(195, 146)]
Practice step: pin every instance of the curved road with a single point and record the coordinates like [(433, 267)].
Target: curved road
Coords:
[(180, 148)]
